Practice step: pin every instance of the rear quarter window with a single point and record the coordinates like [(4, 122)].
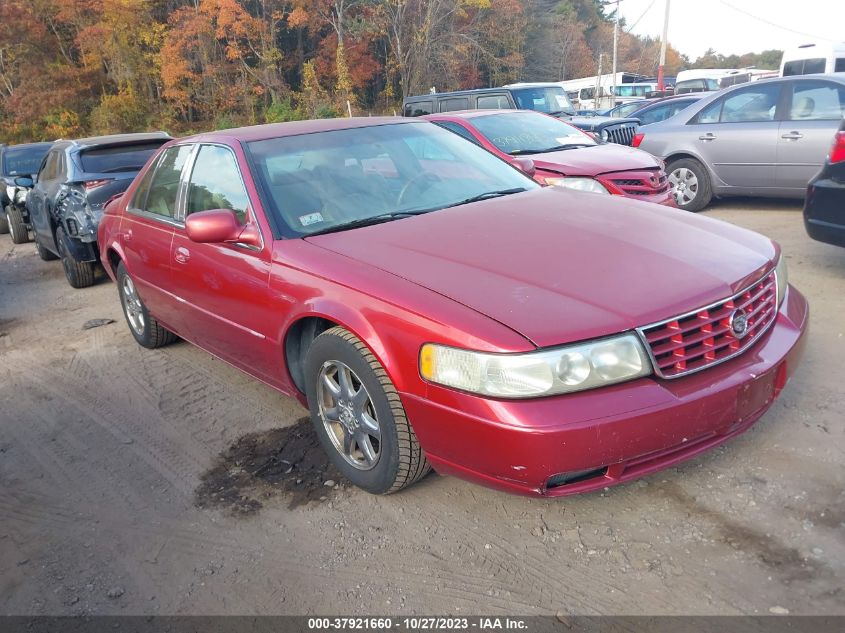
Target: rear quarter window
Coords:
[(418, 108)]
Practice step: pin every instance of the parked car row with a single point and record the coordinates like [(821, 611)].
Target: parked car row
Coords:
[(413, 283)]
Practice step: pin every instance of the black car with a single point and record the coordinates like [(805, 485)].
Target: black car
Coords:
[(17, 161), (549, 98), (74, 182), (824, 207), (653, 110)]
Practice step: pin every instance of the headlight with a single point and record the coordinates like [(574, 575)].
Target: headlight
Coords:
[(782, 278), (604, 134), (580, 184), (533, 374)]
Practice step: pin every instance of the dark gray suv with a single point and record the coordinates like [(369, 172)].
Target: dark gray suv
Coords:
[(75, 181)]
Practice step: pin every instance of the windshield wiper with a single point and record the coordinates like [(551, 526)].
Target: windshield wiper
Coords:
[(559, 112), (556, 148), (486, 196), (376, 219)]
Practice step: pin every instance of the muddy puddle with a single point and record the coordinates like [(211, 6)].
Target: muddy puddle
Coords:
[(286, 464)]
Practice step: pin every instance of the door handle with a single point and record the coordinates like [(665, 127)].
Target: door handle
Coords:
[(707, 137), (792, 136), (182, 255)]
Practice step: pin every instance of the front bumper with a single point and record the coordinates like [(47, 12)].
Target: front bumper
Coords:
[(610, 435)]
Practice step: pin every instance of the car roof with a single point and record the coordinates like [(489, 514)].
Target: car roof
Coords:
[(473, 114), (6, 148), (295, 128), (114, 139), (455, 93)]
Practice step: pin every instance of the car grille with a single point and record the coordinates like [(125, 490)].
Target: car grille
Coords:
[(640, 183), (704, 337), (622, 134)]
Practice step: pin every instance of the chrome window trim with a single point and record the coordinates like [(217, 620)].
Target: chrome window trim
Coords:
[(657, 372)]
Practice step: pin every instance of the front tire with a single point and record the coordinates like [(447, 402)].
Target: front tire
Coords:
[(4, 225), (44, 253), (79, 274), (690, 184), (17, 227), (358, 416), (145, 329)]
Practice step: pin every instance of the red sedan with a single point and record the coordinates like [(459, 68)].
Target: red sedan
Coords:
[(561, 153), (435, 307)]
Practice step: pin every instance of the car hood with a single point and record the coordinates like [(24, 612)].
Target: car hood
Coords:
[(595, 160), (559, 266)]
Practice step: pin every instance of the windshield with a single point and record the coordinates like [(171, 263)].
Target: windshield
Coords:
[(626, 109), (23, 161), (113, 159), (549, 99), (326, 180), (529, 133)]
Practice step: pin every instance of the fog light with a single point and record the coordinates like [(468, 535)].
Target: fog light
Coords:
[(563, 479)]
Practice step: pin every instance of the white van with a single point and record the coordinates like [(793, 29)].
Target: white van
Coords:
[(809, 59)]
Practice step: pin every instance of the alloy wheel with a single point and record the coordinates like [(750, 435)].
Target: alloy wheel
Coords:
[(349, 415), (132, 305)]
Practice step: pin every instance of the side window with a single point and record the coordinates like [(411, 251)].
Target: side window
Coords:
[(711, 113), (655, 114), (792, 68), (139, 200), (840, 65), (216, 183), (753, 104), (164, 185), (460, 130), (813, 66), (49, 170), (816, 100), (451, 105), (493, 102), (418, 108)]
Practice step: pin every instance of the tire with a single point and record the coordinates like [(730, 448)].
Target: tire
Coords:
[(4, 225), (147, 331), (17, 227), (79, 274), (399, 461), (44, 253), (690, 173)]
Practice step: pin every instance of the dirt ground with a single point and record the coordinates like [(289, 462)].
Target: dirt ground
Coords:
[(166, 482)]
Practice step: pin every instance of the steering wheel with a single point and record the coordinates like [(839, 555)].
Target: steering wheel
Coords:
[(416, 181)]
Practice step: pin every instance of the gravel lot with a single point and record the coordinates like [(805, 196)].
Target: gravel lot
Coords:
[(151, 482)]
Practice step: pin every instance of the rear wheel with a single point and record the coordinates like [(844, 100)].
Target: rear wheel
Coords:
[(358, 416), (144, 328), (17, 227), (79, 274), (690, 184), (4, 225)]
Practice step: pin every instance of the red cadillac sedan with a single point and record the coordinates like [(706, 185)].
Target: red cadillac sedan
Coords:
[(562, 154), (435, 307)]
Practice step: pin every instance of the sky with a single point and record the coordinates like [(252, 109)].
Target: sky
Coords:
[(696, 25)]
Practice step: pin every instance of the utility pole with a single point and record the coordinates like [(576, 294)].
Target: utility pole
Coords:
[(615, 41), (660, 81), (598, 85)]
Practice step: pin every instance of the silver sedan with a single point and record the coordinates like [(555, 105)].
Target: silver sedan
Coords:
[(764, 138)]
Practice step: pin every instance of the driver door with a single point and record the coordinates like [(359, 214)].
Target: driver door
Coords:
[(225, 287)]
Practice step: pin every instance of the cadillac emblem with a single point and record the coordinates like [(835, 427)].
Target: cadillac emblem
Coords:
[(739, 324)]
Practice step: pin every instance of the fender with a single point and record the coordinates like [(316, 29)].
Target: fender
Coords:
[(79, 250)]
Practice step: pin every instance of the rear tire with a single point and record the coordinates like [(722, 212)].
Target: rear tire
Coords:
[(359, 417), (4, 225), (17, 227), (144, 328), (79, 274), (690, 184)]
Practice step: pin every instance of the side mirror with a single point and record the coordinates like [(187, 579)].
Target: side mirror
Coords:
[(24, 181), (525, 165), (220, 225)]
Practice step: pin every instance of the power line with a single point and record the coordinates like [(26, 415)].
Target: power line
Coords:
[(642, 15), (777, 26)]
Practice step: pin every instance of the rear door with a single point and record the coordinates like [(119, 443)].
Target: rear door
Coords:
[(815, 108), (225, 287), (737, 136), (146, 233), (43, 194)]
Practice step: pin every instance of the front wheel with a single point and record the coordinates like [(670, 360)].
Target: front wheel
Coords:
[(358, 416), (4, 225), (145, 329), (79, 274), (17, 226), (44, 253), (690, 184)]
